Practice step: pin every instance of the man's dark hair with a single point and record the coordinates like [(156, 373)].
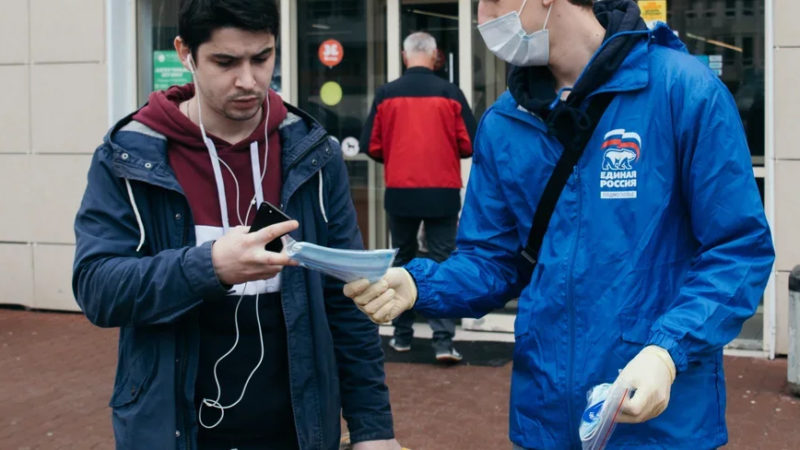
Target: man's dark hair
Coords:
[(197, 19), (582, 2)]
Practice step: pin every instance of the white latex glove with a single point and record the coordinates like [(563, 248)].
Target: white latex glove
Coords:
[(385, 299), (651, 374), (388, 444)]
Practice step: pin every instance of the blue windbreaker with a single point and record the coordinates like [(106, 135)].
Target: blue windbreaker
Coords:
[(153, 294), (659, 237)]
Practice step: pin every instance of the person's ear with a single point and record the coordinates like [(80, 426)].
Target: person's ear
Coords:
[(184, 53)]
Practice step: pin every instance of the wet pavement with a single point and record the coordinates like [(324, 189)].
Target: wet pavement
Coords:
[(57, 370)]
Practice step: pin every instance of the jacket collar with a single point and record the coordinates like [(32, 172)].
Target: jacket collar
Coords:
[(140, 153), (418, 69), (633, 73)]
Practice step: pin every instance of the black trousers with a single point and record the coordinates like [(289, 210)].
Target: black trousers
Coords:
[(440, 240)]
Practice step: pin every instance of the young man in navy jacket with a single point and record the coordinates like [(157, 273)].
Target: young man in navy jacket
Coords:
[(224, 344)]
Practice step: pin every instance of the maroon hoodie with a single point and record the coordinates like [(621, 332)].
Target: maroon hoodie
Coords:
[(264, 416), (189, 158)]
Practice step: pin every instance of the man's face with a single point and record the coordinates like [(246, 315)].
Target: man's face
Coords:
[(233, 70), (531, 18)]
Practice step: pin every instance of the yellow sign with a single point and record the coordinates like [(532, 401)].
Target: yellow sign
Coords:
[(653, 11), (331, 93)]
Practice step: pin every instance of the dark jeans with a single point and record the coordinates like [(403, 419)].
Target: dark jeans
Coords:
[(440, 239)]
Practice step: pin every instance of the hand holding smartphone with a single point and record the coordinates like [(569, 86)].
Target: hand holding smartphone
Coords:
[(268, 214)]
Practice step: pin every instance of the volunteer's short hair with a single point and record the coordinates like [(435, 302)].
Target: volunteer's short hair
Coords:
[(419, 42), (197, 19), (582, 2)]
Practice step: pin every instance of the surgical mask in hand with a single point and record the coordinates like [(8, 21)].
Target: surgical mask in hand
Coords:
[(598, 421), (506, 38), (346, 265)]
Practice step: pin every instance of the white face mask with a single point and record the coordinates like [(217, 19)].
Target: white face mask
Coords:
[(346, 265), (506, 38)]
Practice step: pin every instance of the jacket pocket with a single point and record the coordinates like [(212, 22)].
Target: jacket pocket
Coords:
[(136, 376), (634, 333), (635, 330)]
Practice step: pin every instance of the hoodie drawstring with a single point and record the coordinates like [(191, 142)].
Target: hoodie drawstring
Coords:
[(321, 198), (136, 213)]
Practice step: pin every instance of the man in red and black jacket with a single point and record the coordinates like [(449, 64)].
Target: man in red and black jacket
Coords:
[(420, 126)]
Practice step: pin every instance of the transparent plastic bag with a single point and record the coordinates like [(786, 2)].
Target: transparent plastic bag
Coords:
[(603, 404), (346, 265)]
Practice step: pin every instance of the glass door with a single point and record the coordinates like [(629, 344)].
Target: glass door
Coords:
[(440, 20), (341, 60)]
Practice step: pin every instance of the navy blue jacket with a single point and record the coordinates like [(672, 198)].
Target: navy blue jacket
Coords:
[(144, 275)]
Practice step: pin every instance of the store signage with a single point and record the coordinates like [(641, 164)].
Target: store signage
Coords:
[(653, 11), (331, 53), (168, 70), (350, 146), (331, 93)]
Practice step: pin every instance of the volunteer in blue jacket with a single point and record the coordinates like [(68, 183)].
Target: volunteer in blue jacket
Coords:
[(224, 344), (657, 250)]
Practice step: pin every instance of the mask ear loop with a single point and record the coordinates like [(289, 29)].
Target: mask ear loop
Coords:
[(547, 18)]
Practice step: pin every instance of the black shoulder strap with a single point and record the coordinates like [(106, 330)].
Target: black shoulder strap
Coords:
[(573, 135)]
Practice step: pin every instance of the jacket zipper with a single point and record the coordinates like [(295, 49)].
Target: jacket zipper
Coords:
[(571, 308), (182, 373), (183, 428)]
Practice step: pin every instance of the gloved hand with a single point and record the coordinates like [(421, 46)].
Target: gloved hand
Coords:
[(388, 444), (385, 299), (651, 374)]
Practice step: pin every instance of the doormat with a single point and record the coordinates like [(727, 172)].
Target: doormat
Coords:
[(475, 353)]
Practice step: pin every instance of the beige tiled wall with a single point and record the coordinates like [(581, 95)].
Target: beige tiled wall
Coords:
[(15, 108), (67, 31), (53, 277), (787, 100), (16, 276), (787, 156), (14, 25), (77, 121), (53, 114), (782, 305), (786, 13)]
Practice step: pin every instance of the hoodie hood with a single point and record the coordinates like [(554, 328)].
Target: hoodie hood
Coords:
[(534, 88), (188, 157), (161, 113)]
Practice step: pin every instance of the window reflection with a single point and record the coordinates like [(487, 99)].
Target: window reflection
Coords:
[(731, 31), (489, 72), (339, 93), (440, 20)]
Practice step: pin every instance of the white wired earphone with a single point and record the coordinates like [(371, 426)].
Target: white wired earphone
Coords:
[(215, 160)]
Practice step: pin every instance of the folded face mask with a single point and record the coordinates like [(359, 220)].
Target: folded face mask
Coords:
[(603, 403), (345, 265)]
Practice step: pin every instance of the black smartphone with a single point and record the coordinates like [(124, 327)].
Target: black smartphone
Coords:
[(269, 214)]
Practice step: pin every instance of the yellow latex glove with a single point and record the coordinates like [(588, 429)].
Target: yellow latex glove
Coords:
[(651, 374), (385, 299)]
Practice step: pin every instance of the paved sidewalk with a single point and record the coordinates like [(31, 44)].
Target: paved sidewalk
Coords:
[(56, 372)]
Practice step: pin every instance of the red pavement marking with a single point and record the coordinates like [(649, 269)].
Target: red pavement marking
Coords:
[(57, 370)]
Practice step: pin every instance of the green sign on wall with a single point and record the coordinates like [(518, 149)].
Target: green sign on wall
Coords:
[(168, 70)]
